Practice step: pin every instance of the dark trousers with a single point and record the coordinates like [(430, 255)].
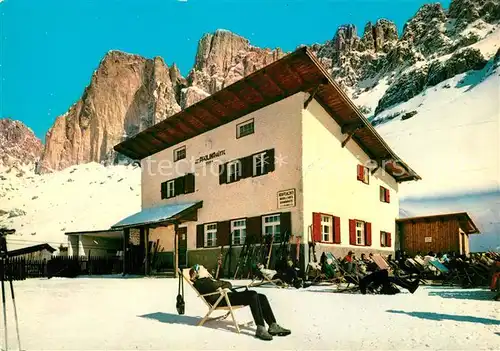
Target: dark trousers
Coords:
[(382, 278), (259, 305), (288, 275)]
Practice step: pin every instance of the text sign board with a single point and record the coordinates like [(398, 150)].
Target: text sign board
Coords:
[(428, 239), (210, 157), (286, 198)]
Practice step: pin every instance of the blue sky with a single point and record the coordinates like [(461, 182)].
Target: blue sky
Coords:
[(49, 49)]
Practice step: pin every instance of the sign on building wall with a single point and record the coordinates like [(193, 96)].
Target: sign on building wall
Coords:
[(428, 239), (210, 157), (286, 198)]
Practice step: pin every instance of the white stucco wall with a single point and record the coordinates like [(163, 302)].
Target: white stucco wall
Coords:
[(277, 126), (330, 180)]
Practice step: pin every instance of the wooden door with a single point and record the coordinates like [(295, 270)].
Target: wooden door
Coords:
[(182, 237)]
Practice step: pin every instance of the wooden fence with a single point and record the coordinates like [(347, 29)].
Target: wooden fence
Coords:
[(20, 268)]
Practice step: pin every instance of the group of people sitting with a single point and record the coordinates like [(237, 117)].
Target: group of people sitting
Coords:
[(287, 274), (376, 279)]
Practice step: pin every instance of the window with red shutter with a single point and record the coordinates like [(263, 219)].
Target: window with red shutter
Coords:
[(368, 234), (352, 232), (316, 228), (385, 239), (360, 172), (363, 174), (384, 195), (336, 230)]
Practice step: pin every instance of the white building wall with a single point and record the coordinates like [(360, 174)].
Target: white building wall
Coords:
[(330, 180), (277, 126)]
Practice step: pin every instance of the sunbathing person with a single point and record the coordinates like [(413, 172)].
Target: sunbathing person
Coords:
[(381, 282), (259, 305), (349, 262), (371, 266)]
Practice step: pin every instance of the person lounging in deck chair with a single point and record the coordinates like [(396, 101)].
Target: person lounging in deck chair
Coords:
[(259, 305), (381, 282)]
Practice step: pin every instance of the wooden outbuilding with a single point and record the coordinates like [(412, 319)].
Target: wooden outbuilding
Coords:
[(40, 251), (438, 233)]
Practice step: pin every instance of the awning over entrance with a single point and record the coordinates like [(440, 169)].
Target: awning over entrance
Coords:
[(156, 216)]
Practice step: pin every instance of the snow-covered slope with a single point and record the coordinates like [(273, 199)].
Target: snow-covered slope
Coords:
[(453, 143), (86, 197)]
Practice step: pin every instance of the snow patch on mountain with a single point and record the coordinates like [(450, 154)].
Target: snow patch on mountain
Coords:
[(452, 141), (85, 197)]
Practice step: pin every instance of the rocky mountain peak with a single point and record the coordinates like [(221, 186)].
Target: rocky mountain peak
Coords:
[(380, 36), (221, 59), (216, 51), (465, 12), (18, 144), (346, 38), (425, 31), (126, 94)]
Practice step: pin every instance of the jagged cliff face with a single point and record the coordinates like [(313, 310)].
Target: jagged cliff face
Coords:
[(18, 145), (415, 60), (222, 59), (129, 93)]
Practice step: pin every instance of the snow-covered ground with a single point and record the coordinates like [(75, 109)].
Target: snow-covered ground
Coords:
[(140, 314), (84, 197)]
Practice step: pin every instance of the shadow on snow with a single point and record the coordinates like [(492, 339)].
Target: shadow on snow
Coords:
[(441, 316), (482, 295), (171, 318)]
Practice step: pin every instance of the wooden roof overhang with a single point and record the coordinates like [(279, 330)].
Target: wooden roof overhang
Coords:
[(466, 223), (299, 71)]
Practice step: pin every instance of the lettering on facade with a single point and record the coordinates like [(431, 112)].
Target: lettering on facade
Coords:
[(286, 198), (209, 157), (428, 239)]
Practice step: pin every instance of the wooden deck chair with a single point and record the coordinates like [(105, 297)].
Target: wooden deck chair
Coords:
[(380, 262), (215, 307), (265, 280), (344, 276)]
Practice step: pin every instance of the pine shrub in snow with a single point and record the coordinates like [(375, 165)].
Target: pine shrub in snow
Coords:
[(407, 86), (460, 62), (414, 82)]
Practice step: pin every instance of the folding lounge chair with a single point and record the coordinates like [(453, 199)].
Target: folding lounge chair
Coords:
[(215, 307), (265, 280), (439, 266), (381, 262), (345, 277)]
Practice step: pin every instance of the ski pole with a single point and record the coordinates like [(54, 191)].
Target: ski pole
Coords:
[(3, 302), (15, 308)]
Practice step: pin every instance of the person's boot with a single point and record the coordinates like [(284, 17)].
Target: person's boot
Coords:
[(275, 329), (262, 333), (362, 286)]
